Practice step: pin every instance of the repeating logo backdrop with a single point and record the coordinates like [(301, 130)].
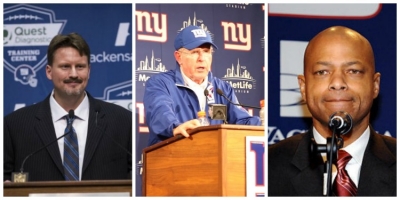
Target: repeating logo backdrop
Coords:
[(291, 26), (237, 30), (28, 29)]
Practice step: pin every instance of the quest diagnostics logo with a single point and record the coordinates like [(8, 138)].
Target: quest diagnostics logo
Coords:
[(239, 78), (27, 31)]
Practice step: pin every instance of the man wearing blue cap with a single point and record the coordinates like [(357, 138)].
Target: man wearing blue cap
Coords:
[(172, 99)]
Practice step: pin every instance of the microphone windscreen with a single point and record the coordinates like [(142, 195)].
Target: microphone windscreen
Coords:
[(340, 121), (219, 91), (206, 92), (71, 114)]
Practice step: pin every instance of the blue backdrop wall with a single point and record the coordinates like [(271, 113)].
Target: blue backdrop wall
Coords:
[(28, 29), (237, 30), (291, 26)]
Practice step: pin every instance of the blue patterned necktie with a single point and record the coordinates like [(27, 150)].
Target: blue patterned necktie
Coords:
[(71, 152)]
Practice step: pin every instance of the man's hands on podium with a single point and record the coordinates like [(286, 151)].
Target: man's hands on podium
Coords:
[(183, 128)]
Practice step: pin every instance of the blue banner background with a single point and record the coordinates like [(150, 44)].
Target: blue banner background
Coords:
[(99, 24), (379, 29), (155, 49)]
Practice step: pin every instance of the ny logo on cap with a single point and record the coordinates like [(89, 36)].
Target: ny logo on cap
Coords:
[(199, 33)]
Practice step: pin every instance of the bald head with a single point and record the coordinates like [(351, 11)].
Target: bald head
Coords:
[(339, 75), (342, 36)]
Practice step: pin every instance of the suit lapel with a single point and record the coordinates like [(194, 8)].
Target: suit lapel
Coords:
[(96, 128), (377, 162), (374, 177), (310, 169), (44, 127)]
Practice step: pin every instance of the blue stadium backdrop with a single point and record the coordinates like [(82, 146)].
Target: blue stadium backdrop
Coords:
[(237, 30), (28, 30), (291, 26)]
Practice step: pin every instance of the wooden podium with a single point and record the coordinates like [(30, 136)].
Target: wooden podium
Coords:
[(100, 186), (211, 162)]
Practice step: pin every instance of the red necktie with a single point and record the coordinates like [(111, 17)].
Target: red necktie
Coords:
[(343, 185)]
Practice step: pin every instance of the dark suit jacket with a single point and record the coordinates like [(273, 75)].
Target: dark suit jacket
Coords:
[(31, 128), (293, 171)]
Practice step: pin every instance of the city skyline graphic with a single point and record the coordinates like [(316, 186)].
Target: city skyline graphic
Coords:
[(153, 66), (238, 74), (195, 20)]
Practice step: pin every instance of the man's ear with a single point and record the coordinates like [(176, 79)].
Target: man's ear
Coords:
[(302, 85), (89, 72), (377, 83), (48, 72), (178, 57)]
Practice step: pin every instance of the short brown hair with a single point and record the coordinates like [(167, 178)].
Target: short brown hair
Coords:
[(73, 40)]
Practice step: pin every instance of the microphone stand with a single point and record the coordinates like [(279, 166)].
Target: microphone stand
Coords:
[(333, 144), (340, 123), (336, 143)]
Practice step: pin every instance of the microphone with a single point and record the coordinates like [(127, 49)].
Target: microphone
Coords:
[(341, 122), (97, 109), (71, 114), (205, 94), (219, 91), (23, 177)]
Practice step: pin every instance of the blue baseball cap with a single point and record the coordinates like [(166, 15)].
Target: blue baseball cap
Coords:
[(192, 37)]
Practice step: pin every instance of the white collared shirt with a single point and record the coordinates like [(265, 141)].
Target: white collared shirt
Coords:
[(355, 149), (80, 125), (197, 88)]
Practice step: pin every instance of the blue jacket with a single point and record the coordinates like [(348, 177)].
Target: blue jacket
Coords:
[(169, 103)]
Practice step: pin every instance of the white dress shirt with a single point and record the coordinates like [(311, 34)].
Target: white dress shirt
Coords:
[(355, 149), (198, 89), (80, 125)]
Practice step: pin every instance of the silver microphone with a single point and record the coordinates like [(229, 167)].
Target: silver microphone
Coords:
[(341, 122)]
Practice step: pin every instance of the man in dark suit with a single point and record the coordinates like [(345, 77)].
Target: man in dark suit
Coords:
[(102, 131), (339, 75)]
